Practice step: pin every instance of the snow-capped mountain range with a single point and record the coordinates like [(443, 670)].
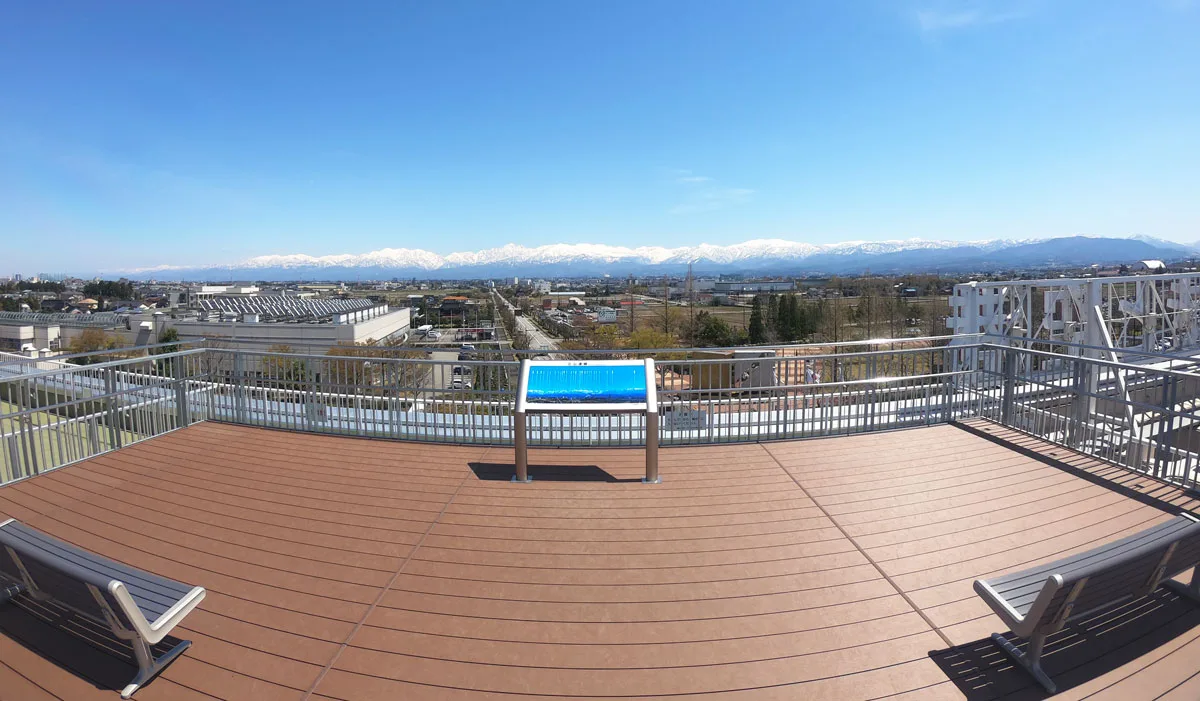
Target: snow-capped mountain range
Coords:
[(759, 255)]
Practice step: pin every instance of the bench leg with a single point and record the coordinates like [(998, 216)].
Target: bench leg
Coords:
[(1191, 591), (1030, 660), (9, 591), (148, 667)]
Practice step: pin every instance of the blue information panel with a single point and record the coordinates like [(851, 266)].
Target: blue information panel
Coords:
[(586, 383)]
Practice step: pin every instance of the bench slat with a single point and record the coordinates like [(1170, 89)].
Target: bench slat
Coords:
[(154, 595), (1022, 600), (1101, 553)]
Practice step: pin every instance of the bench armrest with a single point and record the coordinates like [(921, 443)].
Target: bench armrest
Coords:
[(153, 632), (998, 604), (1026, 624)]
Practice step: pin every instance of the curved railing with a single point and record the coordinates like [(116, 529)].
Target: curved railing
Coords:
[(1141, 416)]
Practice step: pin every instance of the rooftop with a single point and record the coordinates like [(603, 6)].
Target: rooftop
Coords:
[(351, 568)]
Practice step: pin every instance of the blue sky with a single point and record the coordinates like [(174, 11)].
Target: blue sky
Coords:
[(142, 133)]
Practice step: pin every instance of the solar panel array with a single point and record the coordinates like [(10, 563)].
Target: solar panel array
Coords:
[(282, 308), (98, 319)]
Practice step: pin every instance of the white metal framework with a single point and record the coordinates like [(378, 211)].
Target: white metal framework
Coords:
[(1150, 313)]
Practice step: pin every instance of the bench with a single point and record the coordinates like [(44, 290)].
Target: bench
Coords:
[(138, 607), (1039, 601)]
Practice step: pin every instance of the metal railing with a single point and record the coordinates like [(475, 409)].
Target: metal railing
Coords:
[(1142, 417), (1138, 416), (49, 418)]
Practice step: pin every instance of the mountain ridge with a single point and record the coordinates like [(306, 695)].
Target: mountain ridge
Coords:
[(756, 255)]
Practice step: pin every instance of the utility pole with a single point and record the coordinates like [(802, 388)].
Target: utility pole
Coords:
[(691, 297), (666, 305), (631, 315)]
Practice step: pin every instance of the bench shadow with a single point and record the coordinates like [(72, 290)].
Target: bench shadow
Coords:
[(76, 644), (1079, 653), (503, 472)]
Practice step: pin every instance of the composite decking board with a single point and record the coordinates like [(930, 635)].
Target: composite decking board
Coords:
[(927, 569), (145, 485), (219, 543), (337, 492), (420, 511), (999, 513), (752, 572), (305, 545), (707, 591), (203, 510), (602, 542), (658, 623), (313, 468), (134, 548)]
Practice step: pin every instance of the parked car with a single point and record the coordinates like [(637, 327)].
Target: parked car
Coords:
[(460, 370), (467, 347), (461, 384), (433, 335)]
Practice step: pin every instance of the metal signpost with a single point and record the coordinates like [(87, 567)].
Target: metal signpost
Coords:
[(586, 387)]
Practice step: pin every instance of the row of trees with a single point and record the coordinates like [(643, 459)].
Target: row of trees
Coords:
[(788, 319), (10, 287), (117, 289)]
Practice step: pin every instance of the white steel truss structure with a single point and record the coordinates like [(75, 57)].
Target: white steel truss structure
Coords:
[(1148, 313), (1149, 320)]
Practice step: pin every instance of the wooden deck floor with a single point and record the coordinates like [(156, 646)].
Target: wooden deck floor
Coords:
[(828, 569)]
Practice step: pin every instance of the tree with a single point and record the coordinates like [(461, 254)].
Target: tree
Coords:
[(90, 341), (647, 337), (350, 366), (757, 329), (786, 326), (122, 289), (670, 319), (168, 335), (772, 320), (282, 368), (807, 319), (711, 330)]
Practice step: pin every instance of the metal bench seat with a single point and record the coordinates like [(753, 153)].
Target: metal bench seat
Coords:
[(137, 606), (1039, 601)]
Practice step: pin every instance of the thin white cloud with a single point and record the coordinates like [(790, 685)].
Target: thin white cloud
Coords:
[(936, 21), (702, 193)]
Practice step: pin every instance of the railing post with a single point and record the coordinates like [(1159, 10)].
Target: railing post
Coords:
[(14, 456), (1010, 383), (110, 389), (182, 414), (1166, 426), (239, 387), (948, 379), (1079, 404), (26, 428)]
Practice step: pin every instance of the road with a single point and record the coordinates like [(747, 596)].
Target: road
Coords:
[(441, 376), (538, 339)]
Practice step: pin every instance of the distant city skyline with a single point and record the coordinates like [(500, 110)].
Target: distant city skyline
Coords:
[(136, 135)]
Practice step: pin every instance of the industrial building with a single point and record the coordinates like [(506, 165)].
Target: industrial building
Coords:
[(744, 287)]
